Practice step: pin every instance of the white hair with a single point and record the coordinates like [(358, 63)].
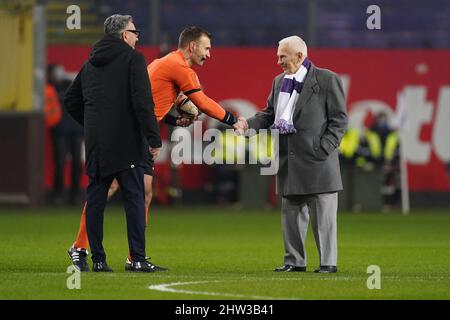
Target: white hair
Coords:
[(296, 44)]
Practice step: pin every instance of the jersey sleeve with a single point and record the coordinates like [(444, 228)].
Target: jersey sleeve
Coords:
[(188, 82), (207, 105)]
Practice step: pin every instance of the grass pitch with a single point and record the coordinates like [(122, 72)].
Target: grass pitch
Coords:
[(217, 253)]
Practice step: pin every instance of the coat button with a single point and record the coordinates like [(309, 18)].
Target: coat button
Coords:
[(292, 153)]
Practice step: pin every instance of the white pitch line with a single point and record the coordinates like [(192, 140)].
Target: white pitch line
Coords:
[(167, 287)]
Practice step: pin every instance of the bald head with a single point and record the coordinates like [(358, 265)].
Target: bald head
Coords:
[(295, 44), (291, 53)]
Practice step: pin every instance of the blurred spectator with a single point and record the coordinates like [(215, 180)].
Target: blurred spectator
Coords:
[(389, 144), (391, 189), (348, 146), (369, 151), (67, 136), (52, 107), (226, 176), (381, 127), (376, 148)]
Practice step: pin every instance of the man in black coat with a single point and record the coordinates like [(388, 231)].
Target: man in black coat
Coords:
[(111, 98)]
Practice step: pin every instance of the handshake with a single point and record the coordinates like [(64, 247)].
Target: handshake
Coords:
[(241, 126), (189, 113)]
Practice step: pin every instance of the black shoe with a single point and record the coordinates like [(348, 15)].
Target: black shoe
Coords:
[(101, 266), (326, 269), (288, 268), (142, 266), (128, 265), (79, 258)]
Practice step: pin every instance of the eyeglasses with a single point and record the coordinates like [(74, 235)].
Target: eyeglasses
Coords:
[(136, 32)]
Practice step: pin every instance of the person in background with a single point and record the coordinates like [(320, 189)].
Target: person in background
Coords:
[(67, 138), (52, 107)]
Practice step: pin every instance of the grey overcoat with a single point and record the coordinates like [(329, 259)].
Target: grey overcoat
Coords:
[(308, 159)]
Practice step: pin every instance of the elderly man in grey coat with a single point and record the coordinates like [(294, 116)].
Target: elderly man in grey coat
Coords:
[(307, 106)]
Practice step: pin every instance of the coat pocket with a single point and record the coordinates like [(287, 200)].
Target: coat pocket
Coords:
[(318, 151)]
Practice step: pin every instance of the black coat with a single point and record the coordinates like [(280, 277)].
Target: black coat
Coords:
[(111, 97), (67, 127)]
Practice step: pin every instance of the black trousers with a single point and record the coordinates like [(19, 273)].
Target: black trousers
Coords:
[(131, 182)]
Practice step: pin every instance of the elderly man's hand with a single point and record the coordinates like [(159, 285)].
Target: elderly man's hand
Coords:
[(154, 152), (241, 126)]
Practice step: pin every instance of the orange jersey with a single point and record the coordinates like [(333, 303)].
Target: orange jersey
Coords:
[(170, 74)]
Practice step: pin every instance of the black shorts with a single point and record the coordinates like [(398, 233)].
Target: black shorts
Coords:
[(149, 164)]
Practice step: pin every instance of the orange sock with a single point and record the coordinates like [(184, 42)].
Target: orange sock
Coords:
[(82, 237)]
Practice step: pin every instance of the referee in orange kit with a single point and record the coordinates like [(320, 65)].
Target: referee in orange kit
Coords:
[(169, 76)]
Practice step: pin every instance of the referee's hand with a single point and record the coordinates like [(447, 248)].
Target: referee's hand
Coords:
[(185, 122)]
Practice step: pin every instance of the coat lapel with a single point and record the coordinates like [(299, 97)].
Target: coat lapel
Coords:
[(309, 88)]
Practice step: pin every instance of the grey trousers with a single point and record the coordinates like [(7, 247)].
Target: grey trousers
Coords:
[(295, 214)]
